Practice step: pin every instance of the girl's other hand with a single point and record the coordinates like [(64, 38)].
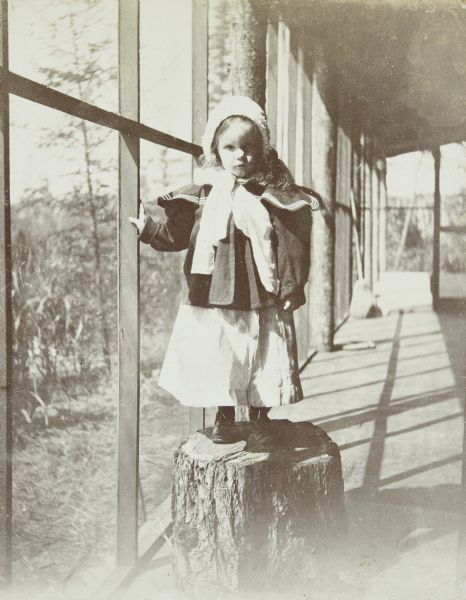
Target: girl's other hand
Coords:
[(140, 221), (288, 306)]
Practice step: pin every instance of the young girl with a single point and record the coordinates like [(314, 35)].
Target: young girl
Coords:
[(246, 227)]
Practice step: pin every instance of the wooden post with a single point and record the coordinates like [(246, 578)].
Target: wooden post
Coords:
[(375, 221), (293, 92), (249, 62), (435, 281), (307, 160), (383, 218), (272, 80), (6, 420), (299, 120), (293, 135), (283, 89), (302, 170), (128, 291), (200, 16), (362, 195), (248, 43), (368, 213), (324, 143), (200, 68), (356, 191), (343, 227), (307, 117)]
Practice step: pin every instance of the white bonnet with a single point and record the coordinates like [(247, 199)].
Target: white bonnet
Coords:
[(231, 106)]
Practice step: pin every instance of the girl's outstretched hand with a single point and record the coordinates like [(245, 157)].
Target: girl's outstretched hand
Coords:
[(139, 222)]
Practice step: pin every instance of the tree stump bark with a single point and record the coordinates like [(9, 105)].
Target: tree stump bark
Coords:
[(259, 514)]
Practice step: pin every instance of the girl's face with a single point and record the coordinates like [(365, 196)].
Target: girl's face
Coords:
[(240, 147)]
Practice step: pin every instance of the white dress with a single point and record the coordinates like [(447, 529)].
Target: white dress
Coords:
[(228, 357)]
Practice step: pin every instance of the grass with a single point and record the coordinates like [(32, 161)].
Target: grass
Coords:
[(64, 490)]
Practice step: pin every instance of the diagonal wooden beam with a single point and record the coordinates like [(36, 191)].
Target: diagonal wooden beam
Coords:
[(41, 94)]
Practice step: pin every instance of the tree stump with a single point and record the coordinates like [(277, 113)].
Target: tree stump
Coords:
[(257, 515)]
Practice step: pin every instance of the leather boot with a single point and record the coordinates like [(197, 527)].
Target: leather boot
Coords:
[(224, 431)]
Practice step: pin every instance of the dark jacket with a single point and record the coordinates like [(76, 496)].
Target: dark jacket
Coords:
[(235, 282)]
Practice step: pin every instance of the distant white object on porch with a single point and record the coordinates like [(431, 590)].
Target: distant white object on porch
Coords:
[(403, 290)]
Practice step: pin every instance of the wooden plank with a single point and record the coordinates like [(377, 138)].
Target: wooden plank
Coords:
[(435, 282), (200, 65), (460, 229), (271, 92), (6, 421), (153, 535), (409, 207), (154, 532), (128, 291), (41, 94), (117, 579)]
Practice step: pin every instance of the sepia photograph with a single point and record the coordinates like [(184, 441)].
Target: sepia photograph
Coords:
[(233, 300)]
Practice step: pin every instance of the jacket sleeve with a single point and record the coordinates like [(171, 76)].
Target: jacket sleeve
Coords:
[(292, 236), (174, 234)]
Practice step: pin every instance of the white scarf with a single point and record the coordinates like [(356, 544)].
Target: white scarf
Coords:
[(229, 197)]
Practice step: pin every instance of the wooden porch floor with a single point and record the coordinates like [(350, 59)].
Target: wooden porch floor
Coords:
[(396, 412)]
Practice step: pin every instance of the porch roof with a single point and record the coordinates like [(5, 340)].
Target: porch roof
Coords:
[(400, 63)]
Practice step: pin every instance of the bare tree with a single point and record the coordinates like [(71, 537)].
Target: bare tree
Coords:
[(83, 71)]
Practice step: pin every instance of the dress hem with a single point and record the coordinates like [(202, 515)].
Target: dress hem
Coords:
[(293, 395)]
